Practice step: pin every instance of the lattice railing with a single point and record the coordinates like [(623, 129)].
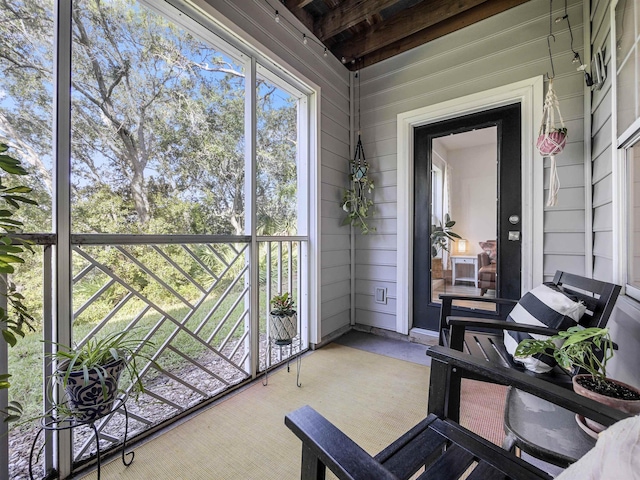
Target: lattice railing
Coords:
[(191, 296), (190, 300)]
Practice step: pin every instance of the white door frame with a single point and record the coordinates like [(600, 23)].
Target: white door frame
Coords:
[(529, 93)]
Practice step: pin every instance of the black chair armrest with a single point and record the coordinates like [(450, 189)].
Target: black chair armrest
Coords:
[(447, 300), (334, 449), (465, 322), (458, 326), (444, 359)]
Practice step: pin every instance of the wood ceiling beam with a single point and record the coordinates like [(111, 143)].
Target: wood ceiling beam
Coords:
[(346, 15), (300, 13), (450, 25), (405, 23)]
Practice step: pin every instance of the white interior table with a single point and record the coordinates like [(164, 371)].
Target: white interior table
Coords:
[(464, 260)]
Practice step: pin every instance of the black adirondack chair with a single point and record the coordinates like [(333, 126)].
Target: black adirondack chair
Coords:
[(445, 449), (483, 338)]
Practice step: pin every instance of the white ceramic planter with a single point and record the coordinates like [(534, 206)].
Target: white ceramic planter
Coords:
[(283, 327)]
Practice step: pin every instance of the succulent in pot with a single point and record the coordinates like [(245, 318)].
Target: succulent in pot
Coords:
[(284, 319), (90, 374), (588, 349)]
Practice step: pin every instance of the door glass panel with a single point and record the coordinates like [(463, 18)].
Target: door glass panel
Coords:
[(464, 188)]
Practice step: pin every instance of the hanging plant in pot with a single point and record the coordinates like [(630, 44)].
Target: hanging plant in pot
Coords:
[(89, 375), (552, 139), (586, 349), (284, 319), (552, 142), (356, 201)]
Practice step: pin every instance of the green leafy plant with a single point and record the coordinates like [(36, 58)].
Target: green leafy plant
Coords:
[(357, 205), (282, 305), (441, 234), (95, 354), (577, 347), (15, 320)]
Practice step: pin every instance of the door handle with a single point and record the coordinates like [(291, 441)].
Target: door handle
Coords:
[(514, 236)]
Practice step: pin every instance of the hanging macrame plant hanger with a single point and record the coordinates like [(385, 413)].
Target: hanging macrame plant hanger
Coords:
[(355, 201), (552, 136), (359, 170), (552, 139), (359, 166)]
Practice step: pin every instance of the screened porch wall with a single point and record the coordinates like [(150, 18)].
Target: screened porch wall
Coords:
[(254, 21)]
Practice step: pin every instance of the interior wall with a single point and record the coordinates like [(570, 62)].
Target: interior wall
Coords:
[(474, 185), (504, 49), (253, 20)]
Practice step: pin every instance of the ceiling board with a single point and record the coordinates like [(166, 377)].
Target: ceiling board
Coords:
[(364, 32)]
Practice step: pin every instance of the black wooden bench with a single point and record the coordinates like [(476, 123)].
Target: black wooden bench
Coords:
[(445, 449)]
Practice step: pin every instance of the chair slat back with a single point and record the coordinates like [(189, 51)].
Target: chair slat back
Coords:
[(599, 297)]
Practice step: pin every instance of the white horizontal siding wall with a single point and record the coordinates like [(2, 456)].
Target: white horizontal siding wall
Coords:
[(602, 179), (504, 49), (624, 323), (253, 20)]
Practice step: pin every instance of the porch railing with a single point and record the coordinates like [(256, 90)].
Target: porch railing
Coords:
[(191, 295)]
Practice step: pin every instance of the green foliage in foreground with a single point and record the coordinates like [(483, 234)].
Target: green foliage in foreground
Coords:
[(17, 320)]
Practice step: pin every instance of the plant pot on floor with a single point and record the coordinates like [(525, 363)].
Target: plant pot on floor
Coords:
[(582, 386), (91, 398), (284, 327)]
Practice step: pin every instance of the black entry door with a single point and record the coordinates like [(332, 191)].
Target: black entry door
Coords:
[(506, 121)]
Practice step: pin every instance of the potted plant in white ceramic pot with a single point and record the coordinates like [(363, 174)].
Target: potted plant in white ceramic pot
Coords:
[(89, 374), (588, 349), (284, 318)]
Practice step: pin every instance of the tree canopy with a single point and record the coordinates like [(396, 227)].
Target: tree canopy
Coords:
[(158, 120)]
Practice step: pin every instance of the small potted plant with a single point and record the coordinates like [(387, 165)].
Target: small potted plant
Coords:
[(552, 142), (89, 374), (588, 349), (357, 205), (284, 319)]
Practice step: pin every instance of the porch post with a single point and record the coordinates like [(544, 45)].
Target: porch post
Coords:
[(62, 202), (250, 215)]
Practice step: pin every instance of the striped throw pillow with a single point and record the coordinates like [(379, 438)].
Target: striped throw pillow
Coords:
[(547, 306)]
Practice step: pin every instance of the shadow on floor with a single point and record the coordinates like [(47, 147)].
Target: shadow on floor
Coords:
[(389, 347)]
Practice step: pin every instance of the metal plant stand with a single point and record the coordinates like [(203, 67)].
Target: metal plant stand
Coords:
[(295, 345), (50, 422)]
